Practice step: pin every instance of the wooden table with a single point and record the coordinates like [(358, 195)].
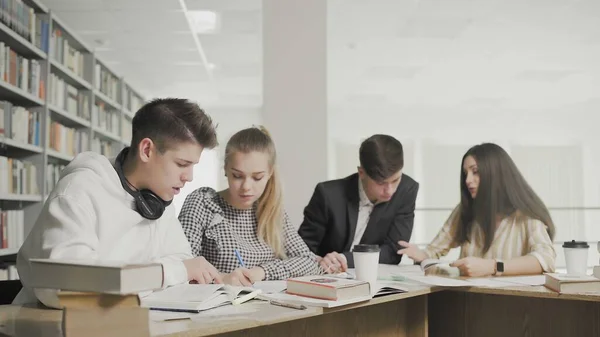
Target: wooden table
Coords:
[(394, 315), (514, 311), (423, 311)]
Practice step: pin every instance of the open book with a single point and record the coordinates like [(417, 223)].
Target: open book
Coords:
[(381, 288), (439, 268), (197, 297)]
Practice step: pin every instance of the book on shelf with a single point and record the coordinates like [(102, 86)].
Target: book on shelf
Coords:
[(64, 96), (111, 277), (572, 284), (23, 20), (106, 148), (18, 177), (20, 124), (197, 297), (126, 129), (21, 72), (106, 82), (105, 117), (131, 101), (12, 232), (53, 172), (65, 53), (66, 140), (8, 273)]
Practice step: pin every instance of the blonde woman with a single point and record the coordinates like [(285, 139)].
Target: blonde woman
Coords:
[(243, 230)]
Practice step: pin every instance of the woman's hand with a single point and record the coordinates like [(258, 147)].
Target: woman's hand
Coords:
[(411, 250), (475, 266), (238, 277)]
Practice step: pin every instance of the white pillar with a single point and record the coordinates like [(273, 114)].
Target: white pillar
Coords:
[(295, 94)]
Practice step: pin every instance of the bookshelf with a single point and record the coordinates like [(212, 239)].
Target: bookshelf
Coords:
[(57, 98)]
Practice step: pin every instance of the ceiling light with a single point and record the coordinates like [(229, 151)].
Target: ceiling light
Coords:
[(203, 22)]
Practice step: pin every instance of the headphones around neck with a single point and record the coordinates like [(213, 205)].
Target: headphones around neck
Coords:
[(147, 204)]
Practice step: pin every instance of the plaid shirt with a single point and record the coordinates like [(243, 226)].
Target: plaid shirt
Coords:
[(215, 229)]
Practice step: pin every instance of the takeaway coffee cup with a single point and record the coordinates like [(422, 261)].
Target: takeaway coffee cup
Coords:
[(576, 253), (366, 262)]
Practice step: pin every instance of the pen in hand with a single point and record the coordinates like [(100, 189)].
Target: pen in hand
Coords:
[(239, 257)]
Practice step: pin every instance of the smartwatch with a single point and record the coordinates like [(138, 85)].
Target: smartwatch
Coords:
[(499, 269)]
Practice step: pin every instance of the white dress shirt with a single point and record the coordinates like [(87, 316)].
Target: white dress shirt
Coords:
[(365, 207)]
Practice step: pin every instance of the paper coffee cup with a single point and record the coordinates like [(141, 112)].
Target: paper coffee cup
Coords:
[(576, 254), (366, 263)]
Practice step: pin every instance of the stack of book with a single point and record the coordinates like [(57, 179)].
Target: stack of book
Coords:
[(99, 298)]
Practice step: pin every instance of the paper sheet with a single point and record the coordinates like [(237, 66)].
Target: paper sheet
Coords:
[(269, 287), (186, 292), (532, 280)]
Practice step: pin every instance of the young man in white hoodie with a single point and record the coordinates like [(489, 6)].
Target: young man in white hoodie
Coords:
[(120, 209)]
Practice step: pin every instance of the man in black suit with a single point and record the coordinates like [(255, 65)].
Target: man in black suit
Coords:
[(374, 206)]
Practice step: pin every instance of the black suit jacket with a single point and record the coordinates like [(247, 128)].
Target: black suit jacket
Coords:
[(331, 215)]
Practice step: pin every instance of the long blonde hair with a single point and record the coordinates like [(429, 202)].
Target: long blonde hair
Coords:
[(269, 212)]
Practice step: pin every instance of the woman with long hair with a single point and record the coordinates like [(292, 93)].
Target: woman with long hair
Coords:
[(243, 230), (501, 225)]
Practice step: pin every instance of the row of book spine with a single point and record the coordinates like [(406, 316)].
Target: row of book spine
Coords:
[(20, 124), (65, 54), (18, 176), (11, 228), (23, 20), (68, 98), (21, 72)]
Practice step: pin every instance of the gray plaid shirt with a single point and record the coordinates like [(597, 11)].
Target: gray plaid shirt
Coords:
[(215, 229)]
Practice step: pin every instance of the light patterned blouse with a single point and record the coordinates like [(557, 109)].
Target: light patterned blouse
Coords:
[(515, 236)]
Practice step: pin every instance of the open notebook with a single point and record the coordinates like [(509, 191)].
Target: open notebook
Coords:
[(197, 297)]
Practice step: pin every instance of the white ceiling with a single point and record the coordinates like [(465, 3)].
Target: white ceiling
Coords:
[(150, 43), (421, 55)]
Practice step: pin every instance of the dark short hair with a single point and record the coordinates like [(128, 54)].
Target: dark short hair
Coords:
[(381, 156), (168, 121)]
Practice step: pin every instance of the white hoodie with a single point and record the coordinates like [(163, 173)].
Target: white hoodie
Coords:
[(89, 215)]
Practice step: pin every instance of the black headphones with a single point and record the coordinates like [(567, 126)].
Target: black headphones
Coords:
[(148, 204)]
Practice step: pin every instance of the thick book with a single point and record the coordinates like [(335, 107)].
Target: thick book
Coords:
[(572, 284), (94, 314), (109, 277), (198, 297), (328, 288)]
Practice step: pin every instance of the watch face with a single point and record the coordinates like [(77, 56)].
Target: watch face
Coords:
[(500, 266)]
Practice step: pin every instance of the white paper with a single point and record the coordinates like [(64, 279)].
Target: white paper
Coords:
[(489, 282), (532, 280), (159, 315), (313, 302), (186, 293), (269, 287), (439, 281)]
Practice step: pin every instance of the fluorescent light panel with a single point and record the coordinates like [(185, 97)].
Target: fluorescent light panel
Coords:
[(203, 22)]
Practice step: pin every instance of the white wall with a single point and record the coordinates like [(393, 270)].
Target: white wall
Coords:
[(443, 76)]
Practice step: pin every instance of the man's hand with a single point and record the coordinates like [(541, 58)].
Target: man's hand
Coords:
[(334, 262), (475, 266), (201, 271)]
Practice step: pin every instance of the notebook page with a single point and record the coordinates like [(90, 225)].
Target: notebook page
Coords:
[(185, 293)]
